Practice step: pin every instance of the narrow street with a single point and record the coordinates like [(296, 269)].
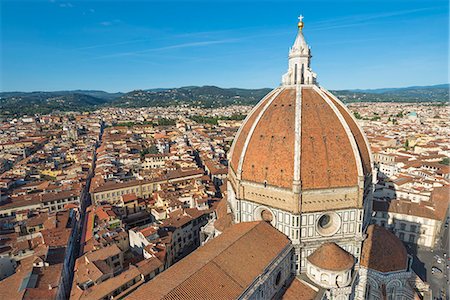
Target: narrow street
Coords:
[(85, 201), (426, 259)]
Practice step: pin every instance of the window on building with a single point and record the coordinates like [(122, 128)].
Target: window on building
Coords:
[(266, 215), (402, 226), (278, 278), (413, 228), (368, 291)]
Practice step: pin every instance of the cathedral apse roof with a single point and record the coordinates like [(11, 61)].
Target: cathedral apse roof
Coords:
[(383, 251), (329, 256)]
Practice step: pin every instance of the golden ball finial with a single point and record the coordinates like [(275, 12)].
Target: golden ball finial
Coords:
[(300, 23)]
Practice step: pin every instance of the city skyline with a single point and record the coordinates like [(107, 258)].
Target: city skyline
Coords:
[(296, 192), (114, 46)]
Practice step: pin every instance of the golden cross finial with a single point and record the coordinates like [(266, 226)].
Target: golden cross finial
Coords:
[(300, 22)]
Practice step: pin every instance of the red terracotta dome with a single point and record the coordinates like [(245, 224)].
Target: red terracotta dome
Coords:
[(300, 135)]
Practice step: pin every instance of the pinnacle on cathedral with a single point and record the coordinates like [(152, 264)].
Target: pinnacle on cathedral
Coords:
[(300, 47), (299, 70)]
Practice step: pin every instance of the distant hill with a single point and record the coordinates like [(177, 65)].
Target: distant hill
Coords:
[(409, 88), (431, 93), (20, 103), (205, 96)]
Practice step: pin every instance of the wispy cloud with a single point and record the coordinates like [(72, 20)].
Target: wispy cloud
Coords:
[(109, 23), (171, 47), (89, 11), (347, 41), (358, 20), (66, 5), (196, 44), (111, 44)]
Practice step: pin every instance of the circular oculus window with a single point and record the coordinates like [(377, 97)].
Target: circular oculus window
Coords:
[(328, 224), (266, 215)]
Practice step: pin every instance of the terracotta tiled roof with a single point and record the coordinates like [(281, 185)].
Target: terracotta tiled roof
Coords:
[(223, 268), (357, 133), (149, 265), (270, 153), (104, 253), (10, 286), (435, 209), (383, 251), (129, 197), (109, 286), (329, 256), (36, 294), (147, 231), (327, 158), (47, 277), (298, 290), (244, 131)]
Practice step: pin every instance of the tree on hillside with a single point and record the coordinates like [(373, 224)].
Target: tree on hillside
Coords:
[(445, 161)]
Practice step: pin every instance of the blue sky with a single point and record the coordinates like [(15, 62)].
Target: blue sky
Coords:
[(126, 45)]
